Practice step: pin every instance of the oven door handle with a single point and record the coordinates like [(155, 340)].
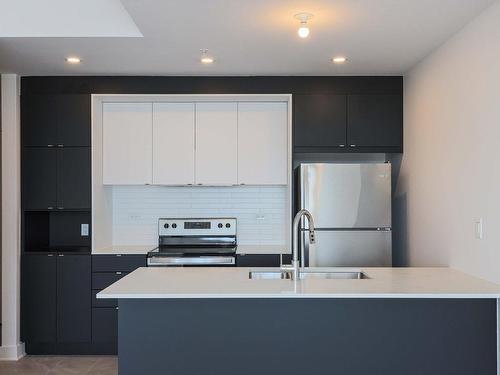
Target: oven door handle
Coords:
[(191, 261)]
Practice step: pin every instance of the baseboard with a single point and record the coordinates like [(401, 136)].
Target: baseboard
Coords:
[(12, 352), (101, 348)]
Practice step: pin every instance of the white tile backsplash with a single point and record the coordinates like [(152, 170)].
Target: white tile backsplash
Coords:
[(260, 211)]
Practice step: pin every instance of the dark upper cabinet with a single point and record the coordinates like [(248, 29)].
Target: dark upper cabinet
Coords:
[(73, 178), (38, 120), (39, 175), (38, 298), (51, 120), (56, 178), (375, 121), (74, 298), (319, 120), (73, 126)]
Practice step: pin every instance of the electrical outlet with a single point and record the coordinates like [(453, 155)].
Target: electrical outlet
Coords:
[(84, 230), (479, 229)]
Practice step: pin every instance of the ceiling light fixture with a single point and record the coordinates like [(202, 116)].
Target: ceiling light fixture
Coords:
[(73, 60), (303, 18), (205, 57), (339, 60)]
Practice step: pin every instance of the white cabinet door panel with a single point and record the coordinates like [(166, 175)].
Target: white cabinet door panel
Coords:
[(262, 143), (216, 143), (127, 139), (173, 143)]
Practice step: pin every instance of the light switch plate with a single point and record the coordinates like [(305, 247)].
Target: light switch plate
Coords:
[(84, 230)]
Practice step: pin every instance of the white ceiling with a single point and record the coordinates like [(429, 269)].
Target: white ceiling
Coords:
[(65, 18), (251, 37)]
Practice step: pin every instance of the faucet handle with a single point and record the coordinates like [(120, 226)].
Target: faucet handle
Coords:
[(312, 237)]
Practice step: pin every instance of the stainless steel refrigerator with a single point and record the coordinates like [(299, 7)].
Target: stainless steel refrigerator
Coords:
[(351, 208)]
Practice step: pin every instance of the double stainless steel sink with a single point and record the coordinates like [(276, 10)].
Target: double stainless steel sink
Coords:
[(306, 274)]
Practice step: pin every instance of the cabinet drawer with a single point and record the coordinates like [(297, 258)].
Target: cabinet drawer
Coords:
[(105, 279), (105, 324), (114, 263), (102, 302)]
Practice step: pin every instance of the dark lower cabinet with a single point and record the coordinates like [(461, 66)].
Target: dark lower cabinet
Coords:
[(74, 298), (319, 120), (107, 269), (105, 325), (56, 303), (38, 298), (375, 121)]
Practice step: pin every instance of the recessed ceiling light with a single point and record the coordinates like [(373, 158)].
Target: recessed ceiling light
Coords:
[(339, 60), (73, 60), (205, 57), (303, 29)]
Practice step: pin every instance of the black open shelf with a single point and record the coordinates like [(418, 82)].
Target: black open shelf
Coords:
[(56, 231)]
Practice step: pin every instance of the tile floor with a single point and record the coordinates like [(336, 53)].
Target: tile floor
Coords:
[(67, 365)]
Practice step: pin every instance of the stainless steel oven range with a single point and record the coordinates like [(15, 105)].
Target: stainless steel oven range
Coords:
[(195, 242)]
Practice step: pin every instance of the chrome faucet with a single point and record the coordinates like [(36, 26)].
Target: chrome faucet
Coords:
[(295, 268)]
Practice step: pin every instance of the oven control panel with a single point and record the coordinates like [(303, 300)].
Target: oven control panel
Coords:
[(197, 227)]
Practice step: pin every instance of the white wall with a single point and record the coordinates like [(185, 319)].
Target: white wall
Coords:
[(11, 193), (450, 173), (261, 212)]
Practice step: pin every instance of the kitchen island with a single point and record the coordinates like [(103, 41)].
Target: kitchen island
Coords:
[(389, 321)]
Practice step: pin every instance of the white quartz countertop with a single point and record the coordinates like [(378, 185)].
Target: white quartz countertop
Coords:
[(124, 250), (144, 249), (233, 282)]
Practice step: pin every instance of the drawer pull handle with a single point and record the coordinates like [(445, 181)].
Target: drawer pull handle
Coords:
[(118, 273), (118, 255), (116, 308)]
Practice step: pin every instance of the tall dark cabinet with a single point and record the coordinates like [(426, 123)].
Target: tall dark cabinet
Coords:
[(56, 294)]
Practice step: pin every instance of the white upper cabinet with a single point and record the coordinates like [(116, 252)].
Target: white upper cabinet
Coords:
[(173, 143), (127, 140), (262, 143), (216, 143)]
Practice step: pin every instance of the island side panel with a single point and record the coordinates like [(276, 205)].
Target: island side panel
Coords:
[(307, 336)]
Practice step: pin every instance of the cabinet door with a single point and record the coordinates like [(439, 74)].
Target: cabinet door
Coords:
[(375, 120), (73, 178), (39, 171), (127, 143), (262, 143), (73, 120), (173, 143), (38, 298), (74, 298), (105, 324), (320, 120), (216, 143), (38, 120)]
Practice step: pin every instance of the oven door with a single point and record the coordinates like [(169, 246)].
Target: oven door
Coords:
[(192, 261)]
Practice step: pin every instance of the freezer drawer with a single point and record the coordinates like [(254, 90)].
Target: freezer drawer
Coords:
[(347, 195), (349, 248)]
